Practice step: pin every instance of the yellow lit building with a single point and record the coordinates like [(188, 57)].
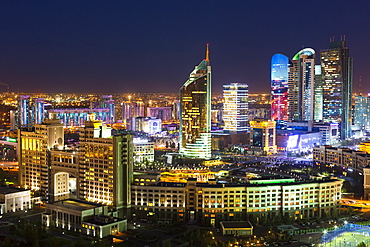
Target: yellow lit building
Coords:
[(33, 147), (195, 110), (365, 147), (211, 203), (100, 168), (263, 135)]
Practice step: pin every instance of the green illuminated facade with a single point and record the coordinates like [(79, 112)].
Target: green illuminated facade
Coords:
[(301, 86), (195, 107)]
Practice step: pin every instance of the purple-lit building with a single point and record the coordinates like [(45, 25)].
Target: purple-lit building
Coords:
[(163, 113), (107, 102), (77, 117), (132, 109)]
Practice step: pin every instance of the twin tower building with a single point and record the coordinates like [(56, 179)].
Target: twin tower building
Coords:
[(302, 90)]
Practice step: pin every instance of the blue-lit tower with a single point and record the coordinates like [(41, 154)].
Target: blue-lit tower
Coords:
[(362, 113), (24, 111), (279, 87), (38, 110)]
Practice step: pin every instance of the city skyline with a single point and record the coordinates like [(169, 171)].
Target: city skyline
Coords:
[(129, 47)]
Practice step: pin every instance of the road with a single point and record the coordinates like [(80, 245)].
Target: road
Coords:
[(356, 203)]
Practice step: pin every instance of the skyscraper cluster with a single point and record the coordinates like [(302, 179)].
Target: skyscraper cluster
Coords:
[(302, 90)]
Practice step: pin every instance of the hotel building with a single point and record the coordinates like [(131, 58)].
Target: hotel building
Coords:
[(210, 203), (100, 168)]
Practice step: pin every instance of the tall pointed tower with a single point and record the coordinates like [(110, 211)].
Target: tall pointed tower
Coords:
[(195, 107)]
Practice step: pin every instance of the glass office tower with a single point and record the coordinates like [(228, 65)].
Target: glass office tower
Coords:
[(24, 111), (318, 94), (235, 107), (336, 69), (38, 110), (362, 113), (279, 87), (301, 86), (195, 108)]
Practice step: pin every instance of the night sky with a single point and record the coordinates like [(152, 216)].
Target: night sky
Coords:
[(152, 46)]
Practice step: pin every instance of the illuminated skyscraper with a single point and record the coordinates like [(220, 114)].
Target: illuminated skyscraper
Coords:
[(301, 86), (279, 87), (24, 111), (336, 65), (38, 110), (195, 108), (235, 113), (107, 102), (362, 113), (318, 94)]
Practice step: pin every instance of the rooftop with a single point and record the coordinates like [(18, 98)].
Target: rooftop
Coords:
[(236, 224), (102, 220), (8, 190), (76, 204)]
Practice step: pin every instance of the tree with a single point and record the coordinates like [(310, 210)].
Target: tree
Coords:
[(167, 243), (9, 241), (362, 244)]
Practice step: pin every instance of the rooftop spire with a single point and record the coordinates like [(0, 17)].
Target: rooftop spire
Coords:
[(207, 53)]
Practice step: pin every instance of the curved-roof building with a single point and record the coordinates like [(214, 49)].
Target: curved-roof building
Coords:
[(279, 87), (195, 108)]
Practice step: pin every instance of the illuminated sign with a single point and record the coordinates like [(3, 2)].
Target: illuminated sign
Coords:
[(11, 139)]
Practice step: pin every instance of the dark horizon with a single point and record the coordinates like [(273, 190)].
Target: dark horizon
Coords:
[(151, 47)]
